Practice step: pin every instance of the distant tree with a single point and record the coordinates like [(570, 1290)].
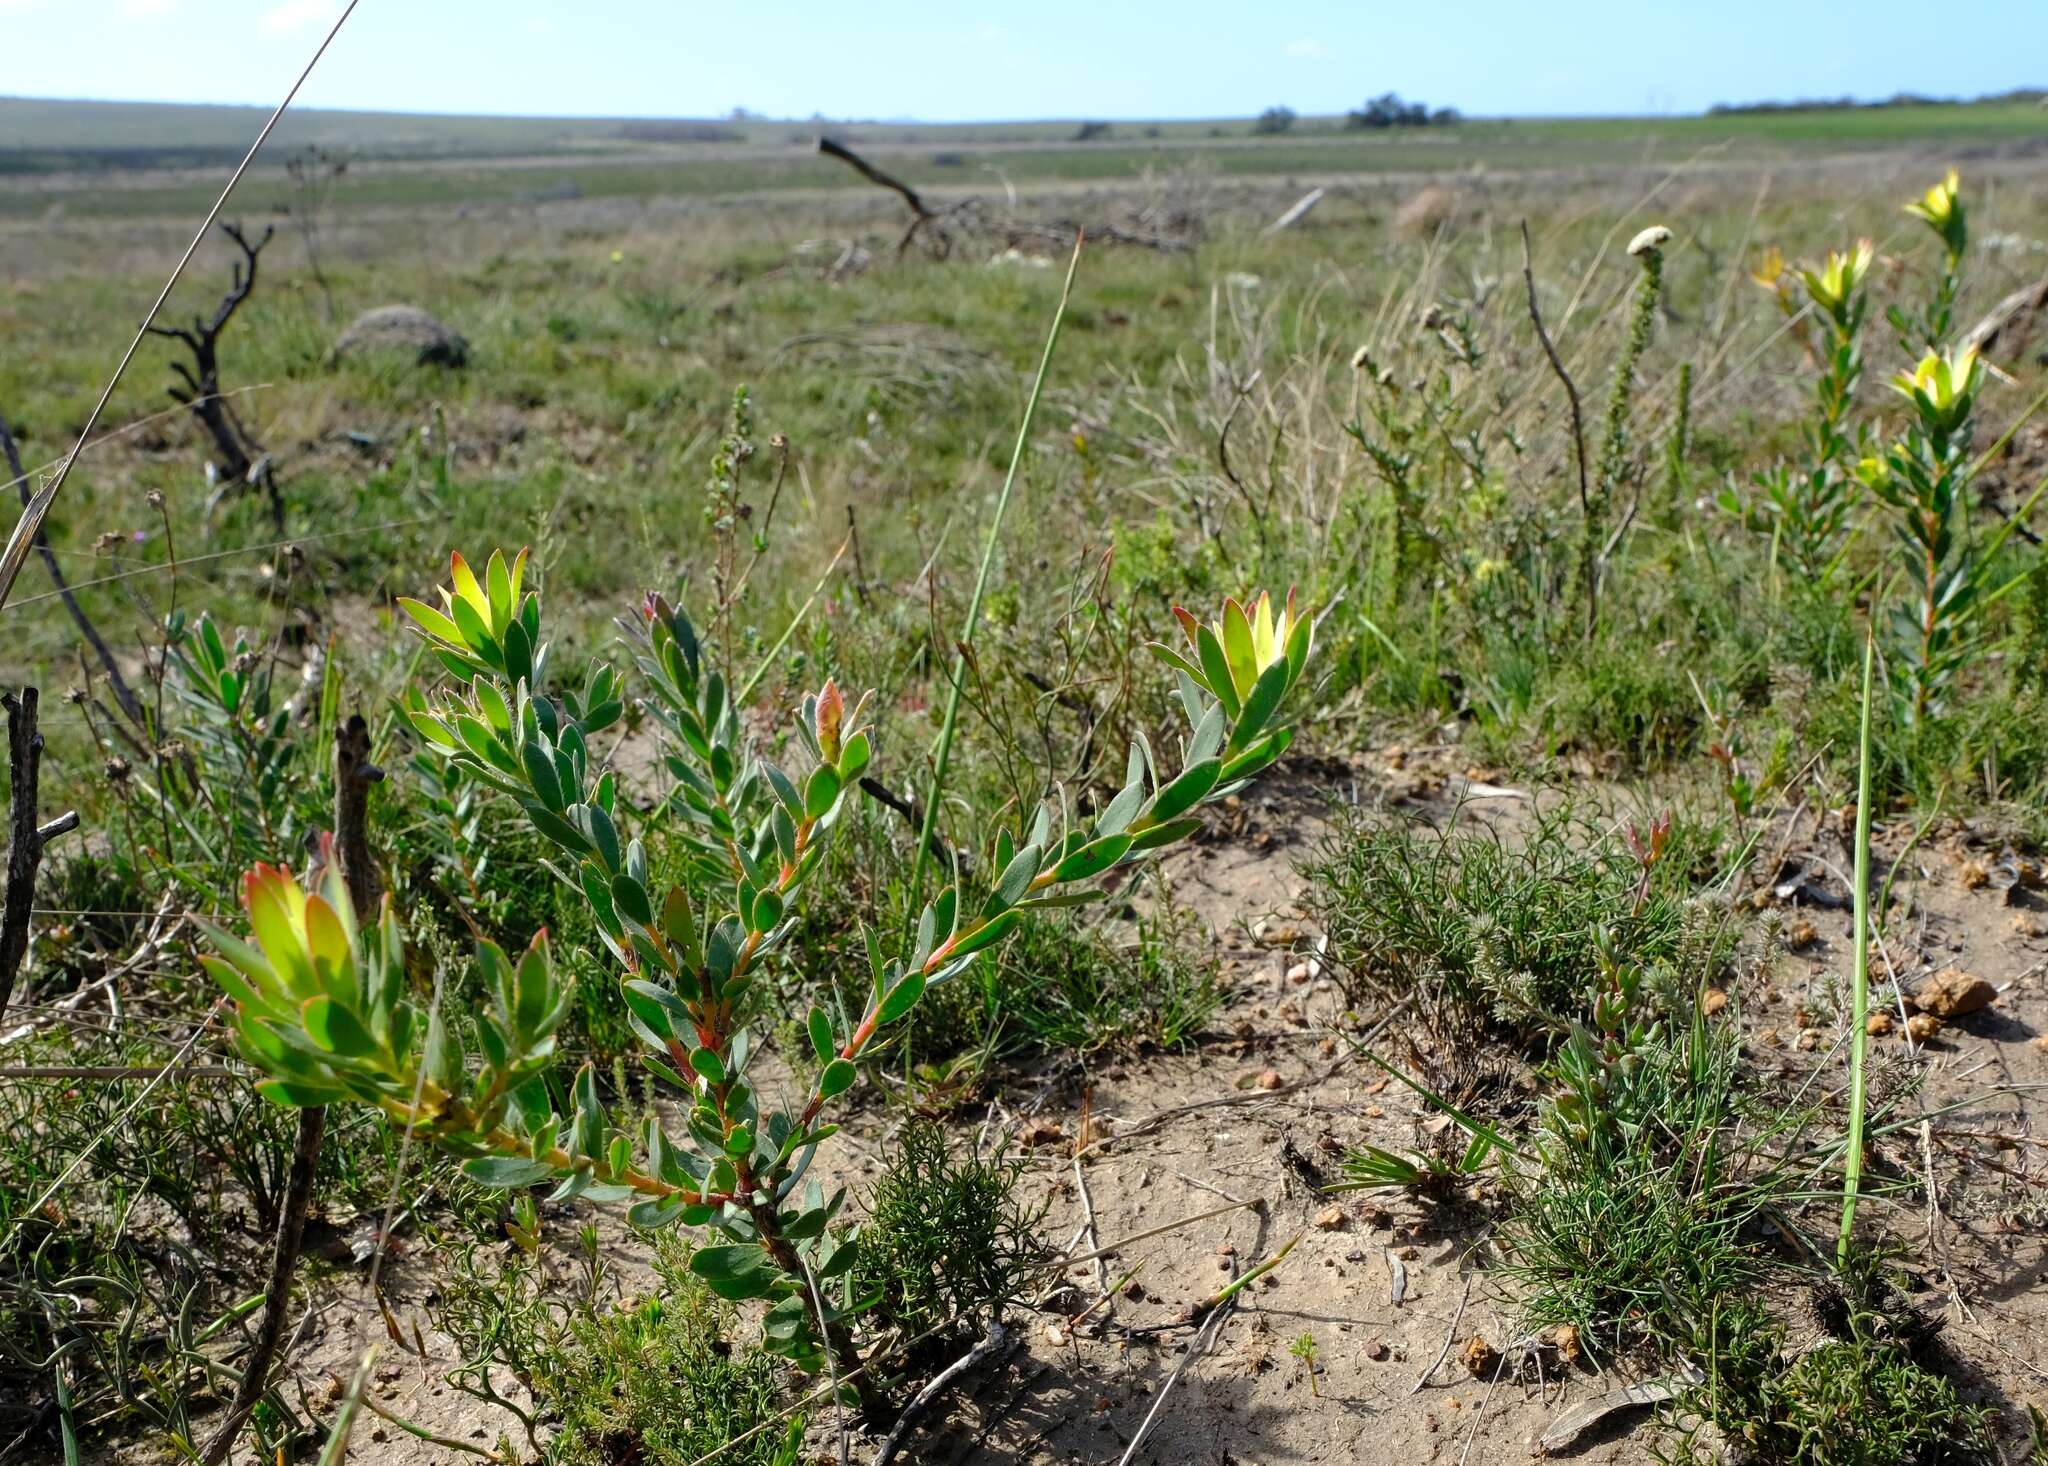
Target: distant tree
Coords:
[(1089, 132), (1274, 121), (1446, 117), (1388, 110)]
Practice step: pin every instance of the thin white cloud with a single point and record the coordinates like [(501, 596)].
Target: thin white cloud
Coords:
[(297, 15), (145, 9), (1304, 50)]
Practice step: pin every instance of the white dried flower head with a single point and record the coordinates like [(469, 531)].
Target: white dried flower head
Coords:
[(1655, 237), (1361, 358)]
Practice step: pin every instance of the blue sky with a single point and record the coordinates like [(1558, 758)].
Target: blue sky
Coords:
[(1030, 58)]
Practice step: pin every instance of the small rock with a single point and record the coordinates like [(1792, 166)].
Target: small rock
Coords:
[(1135, 1291), (1269, 1079), (1480, 1357), (1376, 1350), (1923, 1027), (1567, 1340), (1055, 1335), (1713, 1001), (1974, 876), (404, 329), (1952, 992), (1330, 1219), (1041, 1132), (1800, 935), (1878, 1024), (1226, 1249)]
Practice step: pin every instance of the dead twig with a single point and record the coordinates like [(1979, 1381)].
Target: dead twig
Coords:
[(996, 1338), (923, 216), (123, 693), (243, 463), (353, 775), (1450, 1336), (26, 837)]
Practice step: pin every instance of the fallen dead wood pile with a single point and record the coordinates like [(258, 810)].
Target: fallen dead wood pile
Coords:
[(1152, 224)]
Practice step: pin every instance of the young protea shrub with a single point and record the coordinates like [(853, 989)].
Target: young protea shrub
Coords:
[(325, 1011)]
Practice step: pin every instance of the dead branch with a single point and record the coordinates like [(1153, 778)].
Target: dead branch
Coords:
[(1297, 212), (123, 694), (2009, 326), (995, 1339), (971, 217), (922, 216), (26, 837), (243, 463), (353, 776)]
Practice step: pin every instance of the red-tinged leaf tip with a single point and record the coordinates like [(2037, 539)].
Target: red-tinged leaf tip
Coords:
[(831, 709), (260, 878)]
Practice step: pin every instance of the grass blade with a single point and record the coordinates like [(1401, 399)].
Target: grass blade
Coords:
[(1859, 1018), (988, 555)]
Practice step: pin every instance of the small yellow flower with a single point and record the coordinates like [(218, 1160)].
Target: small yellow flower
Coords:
[(1938, 205), (1837, 281), (1770, 268), (1941, 386), (1941, 207)]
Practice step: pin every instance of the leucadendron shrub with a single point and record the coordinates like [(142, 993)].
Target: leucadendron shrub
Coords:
[(324, 1011)]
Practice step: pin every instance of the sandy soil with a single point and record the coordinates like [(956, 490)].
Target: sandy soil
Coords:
[(1394, 1294)]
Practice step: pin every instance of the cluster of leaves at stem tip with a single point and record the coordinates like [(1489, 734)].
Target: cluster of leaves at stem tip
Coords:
[(1806, 505), (325, 1011), (1921, 476)]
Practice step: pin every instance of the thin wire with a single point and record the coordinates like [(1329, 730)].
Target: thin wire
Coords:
[(35, 1207), (188, 560), (114, 435), (31, 522)]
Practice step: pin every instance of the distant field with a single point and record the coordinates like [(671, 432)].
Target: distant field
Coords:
[(101, 159)]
